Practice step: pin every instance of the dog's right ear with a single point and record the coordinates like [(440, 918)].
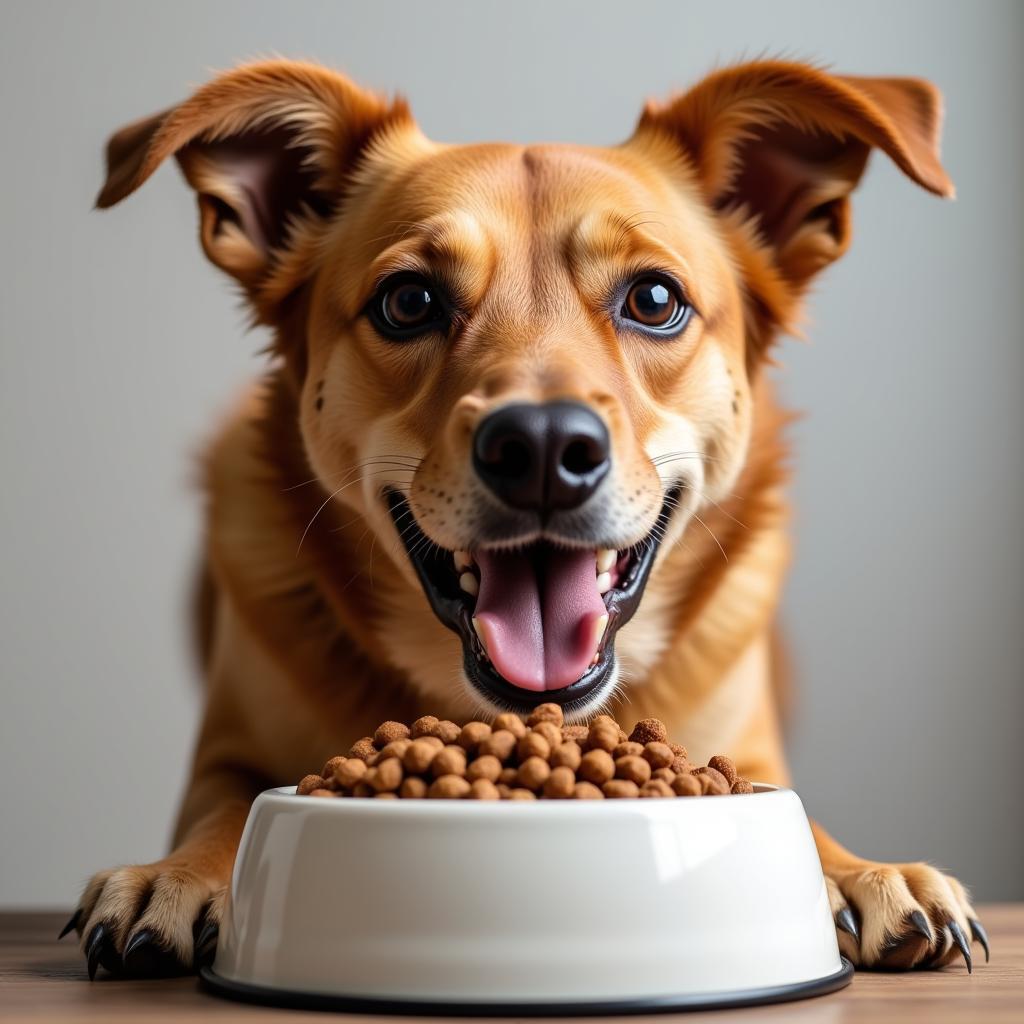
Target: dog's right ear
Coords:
[(269, 149)]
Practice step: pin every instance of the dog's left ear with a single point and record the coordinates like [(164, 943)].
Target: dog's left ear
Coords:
[(269, 149), (784, 144)]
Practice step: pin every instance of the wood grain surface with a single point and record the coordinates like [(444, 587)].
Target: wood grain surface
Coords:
[(43, 980)]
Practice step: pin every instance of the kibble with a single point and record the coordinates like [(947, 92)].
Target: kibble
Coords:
[(487, 768), (597, 766), (686, 785), (628, 749), (560, 783), (649, 730), (635, 769), (483, 789), (472, 735), (711, 780), (387, 775), (448, 787), (447, 732), (533, 744), (533, 773), (363, 749), (396, 748), (659, 755), (546, 713), (603, 735), (551, 732), (656, 788), (509, 759), (620, 789), (308, 784), (500, 744), (328, 770), (413, 788), (724, 766), (420, 753), (388, 731), (567, 754), (450, 761), (510, 723), (423, 727)]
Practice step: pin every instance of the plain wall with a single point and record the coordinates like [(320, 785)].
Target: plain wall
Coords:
[(120, 345)]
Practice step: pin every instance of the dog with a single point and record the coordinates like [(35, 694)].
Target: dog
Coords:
[(515, 444)]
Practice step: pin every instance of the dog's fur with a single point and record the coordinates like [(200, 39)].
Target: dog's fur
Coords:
[(312, 624)]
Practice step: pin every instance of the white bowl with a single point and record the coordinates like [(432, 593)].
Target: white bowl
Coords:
[(552, 906)]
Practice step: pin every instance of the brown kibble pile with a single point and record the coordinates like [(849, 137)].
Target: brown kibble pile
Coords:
[(509, 759)]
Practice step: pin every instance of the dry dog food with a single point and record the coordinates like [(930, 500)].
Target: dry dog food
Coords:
[(509, 759)]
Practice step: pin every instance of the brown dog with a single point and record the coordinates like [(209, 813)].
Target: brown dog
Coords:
[(514, 390)]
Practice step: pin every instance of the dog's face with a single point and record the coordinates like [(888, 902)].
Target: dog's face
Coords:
[(527, 368), (545, 347)]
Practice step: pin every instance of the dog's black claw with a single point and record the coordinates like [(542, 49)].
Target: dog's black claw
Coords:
[(961, 943), (846, 921), (978, 933), (206, 944), (920, 924), (145, 957), (71, 925), (99, 949)]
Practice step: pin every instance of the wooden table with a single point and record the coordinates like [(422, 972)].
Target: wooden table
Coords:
[(43, 980)]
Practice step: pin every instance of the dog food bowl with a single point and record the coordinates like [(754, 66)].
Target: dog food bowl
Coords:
[(460, 907)]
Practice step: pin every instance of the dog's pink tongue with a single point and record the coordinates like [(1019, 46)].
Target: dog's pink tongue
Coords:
[(538, 622)]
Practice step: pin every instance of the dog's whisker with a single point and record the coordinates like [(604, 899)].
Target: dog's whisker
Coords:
[(351, 483), (373, 460), (712, 533)]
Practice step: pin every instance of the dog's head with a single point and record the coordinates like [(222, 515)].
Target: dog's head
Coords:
[(527, 367)]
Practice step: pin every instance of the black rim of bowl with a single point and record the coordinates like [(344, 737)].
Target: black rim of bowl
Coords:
[(266, 996)]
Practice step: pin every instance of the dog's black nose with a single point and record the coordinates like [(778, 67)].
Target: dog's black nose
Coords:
[(542, 457)]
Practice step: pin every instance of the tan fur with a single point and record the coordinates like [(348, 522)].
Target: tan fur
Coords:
[(313, 625)]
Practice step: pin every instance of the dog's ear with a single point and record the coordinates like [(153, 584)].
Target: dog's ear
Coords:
[(784, 144), (268, 148)]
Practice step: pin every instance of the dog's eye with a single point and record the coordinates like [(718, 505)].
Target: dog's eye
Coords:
[(406, 306), (654, 303)]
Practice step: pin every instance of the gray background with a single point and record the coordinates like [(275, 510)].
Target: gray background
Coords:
[(120, 345)]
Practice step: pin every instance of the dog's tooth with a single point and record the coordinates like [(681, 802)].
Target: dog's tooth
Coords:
[(463, 560), (600, 625), (604, 582), (481, 632), (606, 558), (469, 584)]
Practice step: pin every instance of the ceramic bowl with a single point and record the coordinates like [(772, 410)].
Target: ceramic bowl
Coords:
[(553, 906)]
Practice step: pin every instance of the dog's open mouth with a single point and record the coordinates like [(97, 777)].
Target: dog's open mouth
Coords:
[(538, 622)]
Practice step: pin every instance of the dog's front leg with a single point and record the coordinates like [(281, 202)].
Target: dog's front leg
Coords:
[(158, 918), (897, 916), (146, 920)]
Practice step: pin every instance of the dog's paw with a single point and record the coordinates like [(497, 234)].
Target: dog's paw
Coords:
[(902, 916), (148, 920)]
